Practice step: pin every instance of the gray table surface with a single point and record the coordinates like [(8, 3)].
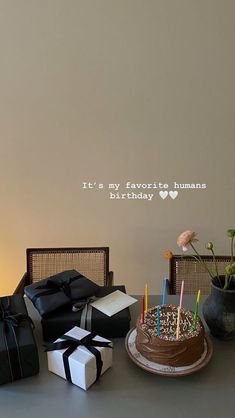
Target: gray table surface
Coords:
[(126, 390)]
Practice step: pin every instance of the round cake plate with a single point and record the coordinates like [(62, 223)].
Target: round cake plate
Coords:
[(165, 370)]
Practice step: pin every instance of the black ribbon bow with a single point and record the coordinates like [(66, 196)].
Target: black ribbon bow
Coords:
[(55, 286), (72, 344), (14, 319), (11, 320), (81, 304)]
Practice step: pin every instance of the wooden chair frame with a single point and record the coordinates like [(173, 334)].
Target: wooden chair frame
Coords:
[(54, 260), (192, 273)]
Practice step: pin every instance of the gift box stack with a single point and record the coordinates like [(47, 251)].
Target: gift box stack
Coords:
[(64, 301), (75, 331)]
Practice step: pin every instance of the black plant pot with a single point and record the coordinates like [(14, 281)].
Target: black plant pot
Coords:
[(219, 309)]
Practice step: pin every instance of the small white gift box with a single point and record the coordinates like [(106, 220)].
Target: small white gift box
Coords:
[(80, 364)]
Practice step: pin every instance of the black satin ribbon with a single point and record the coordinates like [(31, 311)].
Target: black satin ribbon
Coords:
[(72, 344), (55, 286), (11, 320)]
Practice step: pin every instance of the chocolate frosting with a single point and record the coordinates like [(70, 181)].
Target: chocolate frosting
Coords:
[(170, 352)]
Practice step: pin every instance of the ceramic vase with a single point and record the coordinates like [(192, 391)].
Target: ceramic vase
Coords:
[(219, 309)]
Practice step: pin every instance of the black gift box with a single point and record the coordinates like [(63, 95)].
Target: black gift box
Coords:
[(18, 351), (61, 321), (61, 289)]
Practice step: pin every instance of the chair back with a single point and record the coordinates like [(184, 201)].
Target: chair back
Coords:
[(195, 277), (92, 262)]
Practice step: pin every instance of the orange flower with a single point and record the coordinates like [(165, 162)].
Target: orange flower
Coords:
[(168, 255)]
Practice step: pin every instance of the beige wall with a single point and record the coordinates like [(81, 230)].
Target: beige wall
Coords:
[(111, 91)]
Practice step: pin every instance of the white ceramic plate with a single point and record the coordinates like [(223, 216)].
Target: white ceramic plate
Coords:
[(165, 370)]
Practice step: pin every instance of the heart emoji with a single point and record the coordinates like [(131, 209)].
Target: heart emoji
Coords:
[(162, 194), (173, 194)]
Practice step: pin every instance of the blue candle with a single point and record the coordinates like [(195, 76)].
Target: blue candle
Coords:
[(158, 320), (164, 292)]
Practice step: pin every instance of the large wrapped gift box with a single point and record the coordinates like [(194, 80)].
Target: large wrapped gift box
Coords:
[(64, 319), (80, 357), (59, 290), (18, 351)]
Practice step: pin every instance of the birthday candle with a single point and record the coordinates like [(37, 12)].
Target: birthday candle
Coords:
[(142, 314), (179, 308), (178, 324), (146, 298), (181, 293), (158, 321), (164, 292), (196, 309)]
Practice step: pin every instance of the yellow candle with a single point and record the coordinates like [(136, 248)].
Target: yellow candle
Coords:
[(198, 296), (196, 310), (146, 298)]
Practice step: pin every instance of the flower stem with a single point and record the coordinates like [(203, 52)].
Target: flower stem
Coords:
[(226, 282), (216, 267), (200, 260), (232, 249)]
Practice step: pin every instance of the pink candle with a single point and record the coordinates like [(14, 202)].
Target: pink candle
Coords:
[(181, 294), (179, 308)]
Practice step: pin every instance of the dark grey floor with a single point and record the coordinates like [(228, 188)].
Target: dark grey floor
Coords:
[(125, 390)]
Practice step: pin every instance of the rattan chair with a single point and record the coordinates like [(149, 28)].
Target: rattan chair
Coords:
[(92, 262), (194, 275)]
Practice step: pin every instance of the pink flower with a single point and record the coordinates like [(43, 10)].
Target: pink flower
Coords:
[(185, 238)]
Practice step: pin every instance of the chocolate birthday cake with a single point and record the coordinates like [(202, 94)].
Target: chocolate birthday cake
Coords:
[(159, 344)]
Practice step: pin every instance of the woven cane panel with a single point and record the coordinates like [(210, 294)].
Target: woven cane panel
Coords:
[(194, 275), (90, 264)]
